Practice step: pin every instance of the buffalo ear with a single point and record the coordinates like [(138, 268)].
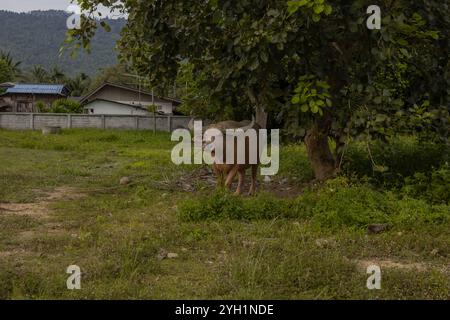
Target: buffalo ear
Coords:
[(191, 124)]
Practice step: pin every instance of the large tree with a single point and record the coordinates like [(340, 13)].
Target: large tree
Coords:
[(312, 63)]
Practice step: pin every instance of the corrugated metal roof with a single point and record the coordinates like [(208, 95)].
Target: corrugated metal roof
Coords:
[(37, 88)]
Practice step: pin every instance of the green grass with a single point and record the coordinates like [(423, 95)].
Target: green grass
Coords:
[(311, 246)]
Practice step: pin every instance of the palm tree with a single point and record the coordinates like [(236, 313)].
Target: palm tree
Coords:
[(13, 65), (57, 75), (39, 74), (78, 85)]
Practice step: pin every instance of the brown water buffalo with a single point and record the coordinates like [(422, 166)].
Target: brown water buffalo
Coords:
[(226, 171)]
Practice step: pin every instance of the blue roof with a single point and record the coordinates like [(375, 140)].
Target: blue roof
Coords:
[(38, 89)]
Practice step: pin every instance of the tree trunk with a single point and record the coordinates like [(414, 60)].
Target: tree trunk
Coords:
[(261, 116), (319, 153)]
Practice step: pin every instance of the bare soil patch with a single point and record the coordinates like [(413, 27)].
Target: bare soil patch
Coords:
[(204, 178), (41, 207), (390, 264)]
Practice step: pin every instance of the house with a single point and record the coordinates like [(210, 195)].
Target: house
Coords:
[(6, 85), (112, 98), (23, 97)]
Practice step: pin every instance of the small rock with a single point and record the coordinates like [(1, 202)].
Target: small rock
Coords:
[(246, 243), (172, 255), (162, 255), (125, 181), (399, 233), (323, 243), (267, 179), (377, 228), (434, 252)]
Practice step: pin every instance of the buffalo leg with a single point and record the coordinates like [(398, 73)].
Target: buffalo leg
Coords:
[(253, 183), (230, 177), (241, 175)]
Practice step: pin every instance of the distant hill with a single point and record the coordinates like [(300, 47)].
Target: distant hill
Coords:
[(35, 38)]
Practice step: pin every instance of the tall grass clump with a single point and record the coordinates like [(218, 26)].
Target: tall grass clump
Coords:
[(223, 205), (338, 203)]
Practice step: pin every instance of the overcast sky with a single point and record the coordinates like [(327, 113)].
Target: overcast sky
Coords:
[(30, 5)]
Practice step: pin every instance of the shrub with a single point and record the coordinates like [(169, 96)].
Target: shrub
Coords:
[(433, 186), (223, 205), (401, 158), (337, 204), (66, 106), (42, 107)]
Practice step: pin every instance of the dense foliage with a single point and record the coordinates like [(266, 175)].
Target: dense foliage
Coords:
[(313, 65), (60, 106)]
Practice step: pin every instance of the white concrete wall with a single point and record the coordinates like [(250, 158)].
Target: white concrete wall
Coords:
[(24, 121)]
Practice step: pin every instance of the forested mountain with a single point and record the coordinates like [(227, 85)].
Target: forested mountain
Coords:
[(35, 38)]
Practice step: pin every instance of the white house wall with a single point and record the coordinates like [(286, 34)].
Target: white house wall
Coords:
[(106, 107), (165, 107)]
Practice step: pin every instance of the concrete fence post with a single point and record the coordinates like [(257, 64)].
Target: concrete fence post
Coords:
[(103, 122), (69, 121), (32, 121), (154, 122), (169, 123), (136, 122)]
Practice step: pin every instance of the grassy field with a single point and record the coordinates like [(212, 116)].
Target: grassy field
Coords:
[(169, 235)]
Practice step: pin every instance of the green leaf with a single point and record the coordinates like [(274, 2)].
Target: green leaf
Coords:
[(380, 168), (319, 9), (273, 13), (105, 26), (328, 9), (378, 100), (264, 56), (293, 6), (402, 42), (254, 65)]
